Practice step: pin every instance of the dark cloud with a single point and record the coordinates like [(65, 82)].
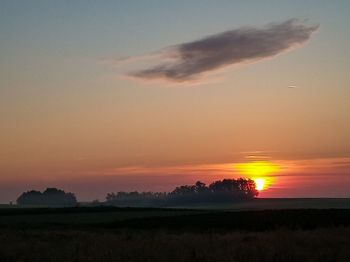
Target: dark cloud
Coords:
[(191, 60)]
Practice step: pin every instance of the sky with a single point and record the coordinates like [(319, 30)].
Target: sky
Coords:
[(102, 96)]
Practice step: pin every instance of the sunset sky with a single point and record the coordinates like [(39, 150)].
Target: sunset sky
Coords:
[(101, 96)]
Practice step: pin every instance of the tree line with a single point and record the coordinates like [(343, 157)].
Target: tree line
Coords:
[(226, 190)]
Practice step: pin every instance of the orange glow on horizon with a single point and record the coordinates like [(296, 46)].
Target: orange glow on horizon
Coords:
[(257, 168)]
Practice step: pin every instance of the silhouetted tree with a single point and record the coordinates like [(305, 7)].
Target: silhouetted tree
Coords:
[(200, 187), (232, 189), (50, 197), (32, 197)]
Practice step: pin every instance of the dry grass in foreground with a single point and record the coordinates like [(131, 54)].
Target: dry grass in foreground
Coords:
[(330, 244)]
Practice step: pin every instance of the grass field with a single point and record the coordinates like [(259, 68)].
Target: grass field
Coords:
[(277, 203), (151, 234), (83, 216), (280, 245)]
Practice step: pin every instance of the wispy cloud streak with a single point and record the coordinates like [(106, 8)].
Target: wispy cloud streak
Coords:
[(190, 61)]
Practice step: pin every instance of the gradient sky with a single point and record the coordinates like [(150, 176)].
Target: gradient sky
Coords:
[(71, 117)]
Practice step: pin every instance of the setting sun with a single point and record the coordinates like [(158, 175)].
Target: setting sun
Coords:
[(259, 183)]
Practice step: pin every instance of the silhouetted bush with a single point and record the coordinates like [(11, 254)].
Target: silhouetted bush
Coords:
[(50, 197)]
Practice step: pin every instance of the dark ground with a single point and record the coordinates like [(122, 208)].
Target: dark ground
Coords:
[(148, 234)]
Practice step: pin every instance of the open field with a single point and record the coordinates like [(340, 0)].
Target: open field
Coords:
[(109, 218), (256, 204), (151, 234), (127, 245), (80, 216), (277, 203), (109, 215)]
